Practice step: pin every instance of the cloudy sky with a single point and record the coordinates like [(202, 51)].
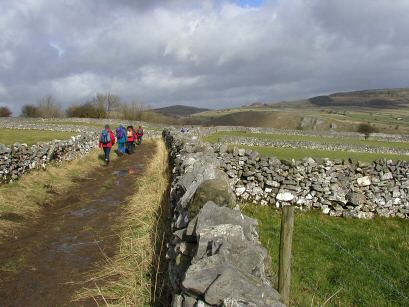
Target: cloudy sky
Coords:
[(203, 53)]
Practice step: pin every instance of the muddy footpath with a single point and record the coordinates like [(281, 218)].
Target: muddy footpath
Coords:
[(49, 260)]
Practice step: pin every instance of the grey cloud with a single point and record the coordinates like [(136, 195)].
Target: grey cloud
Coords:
[(207, 53)]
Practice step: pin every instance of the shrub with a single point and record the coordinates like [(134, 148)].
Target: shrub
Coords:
[(5, 112), (87, 110), (366, 129), (99, 106), (30, 110)]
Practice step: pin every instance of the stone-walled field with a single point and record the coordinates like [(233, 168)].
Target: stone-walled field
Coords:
[(336, 187), (373, 136), (249, 141)]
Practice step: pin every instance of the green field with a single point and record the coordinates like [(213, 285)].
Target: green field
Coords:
[(30, 137), (301, 153), (343, 262), (309, 138)]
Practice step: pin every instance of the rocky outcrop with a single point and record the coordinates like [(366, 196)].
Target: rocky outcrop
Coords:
[(336, 187), (215, 256)]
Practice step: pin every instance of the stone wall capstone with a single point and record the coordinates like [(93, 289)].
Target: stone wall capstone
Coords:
[(215, 255)]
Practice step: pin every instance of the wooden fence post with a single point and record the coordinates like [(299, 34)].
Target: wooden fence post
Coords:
[(286, 240)]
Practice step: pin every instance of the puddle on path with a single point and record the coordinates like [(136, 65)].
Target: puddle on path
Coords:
[(135, 169), (69, 239), (83, 212)]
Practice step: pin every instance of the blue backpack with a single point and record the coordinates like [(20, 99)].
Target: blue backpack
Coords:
[(120, 133), (105, 137)]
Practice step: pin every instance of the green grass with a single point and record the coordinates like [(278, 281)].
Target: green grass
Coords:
[(300, 153), (360, 262), (30, 137), (322, 140), (380, 117)]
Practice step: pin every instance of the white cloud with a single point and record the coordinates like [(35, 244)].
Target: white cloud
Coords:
[(56, 46), (213, 53), (3, 91), (7, 60)]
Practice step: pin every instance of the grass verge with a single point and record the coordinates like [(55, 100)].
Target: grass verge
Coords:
[(307, 138), (22, 199), (341, 262), (30, 137), (301, 153), (136, 275)]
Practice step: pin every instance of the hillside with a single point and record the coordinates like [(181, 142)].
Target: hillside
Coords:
[(386, 109), (179, 110), (381, 98)]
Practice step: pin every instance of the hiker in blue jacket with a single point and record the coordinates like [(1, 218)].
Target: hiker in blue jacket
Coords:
[(121, 138)]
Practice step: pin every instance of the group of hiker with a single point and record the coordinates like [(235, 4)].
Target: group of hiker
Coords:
[(126, 138)]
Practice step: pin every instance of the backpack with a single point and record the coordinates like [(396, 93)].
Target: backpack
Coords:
[(119, 133), (140, 132), (105, 137)]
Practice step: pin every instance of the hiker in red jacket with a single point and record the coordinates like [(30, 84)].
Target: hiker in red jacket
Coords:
[(106, 141), (131, 138), (139, 134)]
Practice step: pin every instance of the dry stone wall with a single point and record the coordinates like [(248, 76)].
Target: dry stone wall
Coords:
[(37, 125), (215, 255), (249, 141), (336, 187), (67, 124), (19, 159), (337, 134)]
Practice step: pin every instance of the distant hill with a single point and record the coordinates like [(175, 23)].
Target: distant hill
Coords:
[(257, 105), (380, 98), (179, 110)]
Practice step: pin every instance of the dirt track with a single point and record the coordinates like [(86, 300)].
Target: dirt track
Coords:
[(48, 260)]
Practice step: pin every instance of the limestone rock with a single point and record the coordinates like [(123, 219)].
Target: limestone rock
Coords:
[(285, 196), (364, 181)]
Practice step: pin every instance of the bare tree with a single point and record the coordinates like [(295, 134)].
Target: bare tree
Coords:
[(49, 108), (105, 104), (113, 102), (133, 110)]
